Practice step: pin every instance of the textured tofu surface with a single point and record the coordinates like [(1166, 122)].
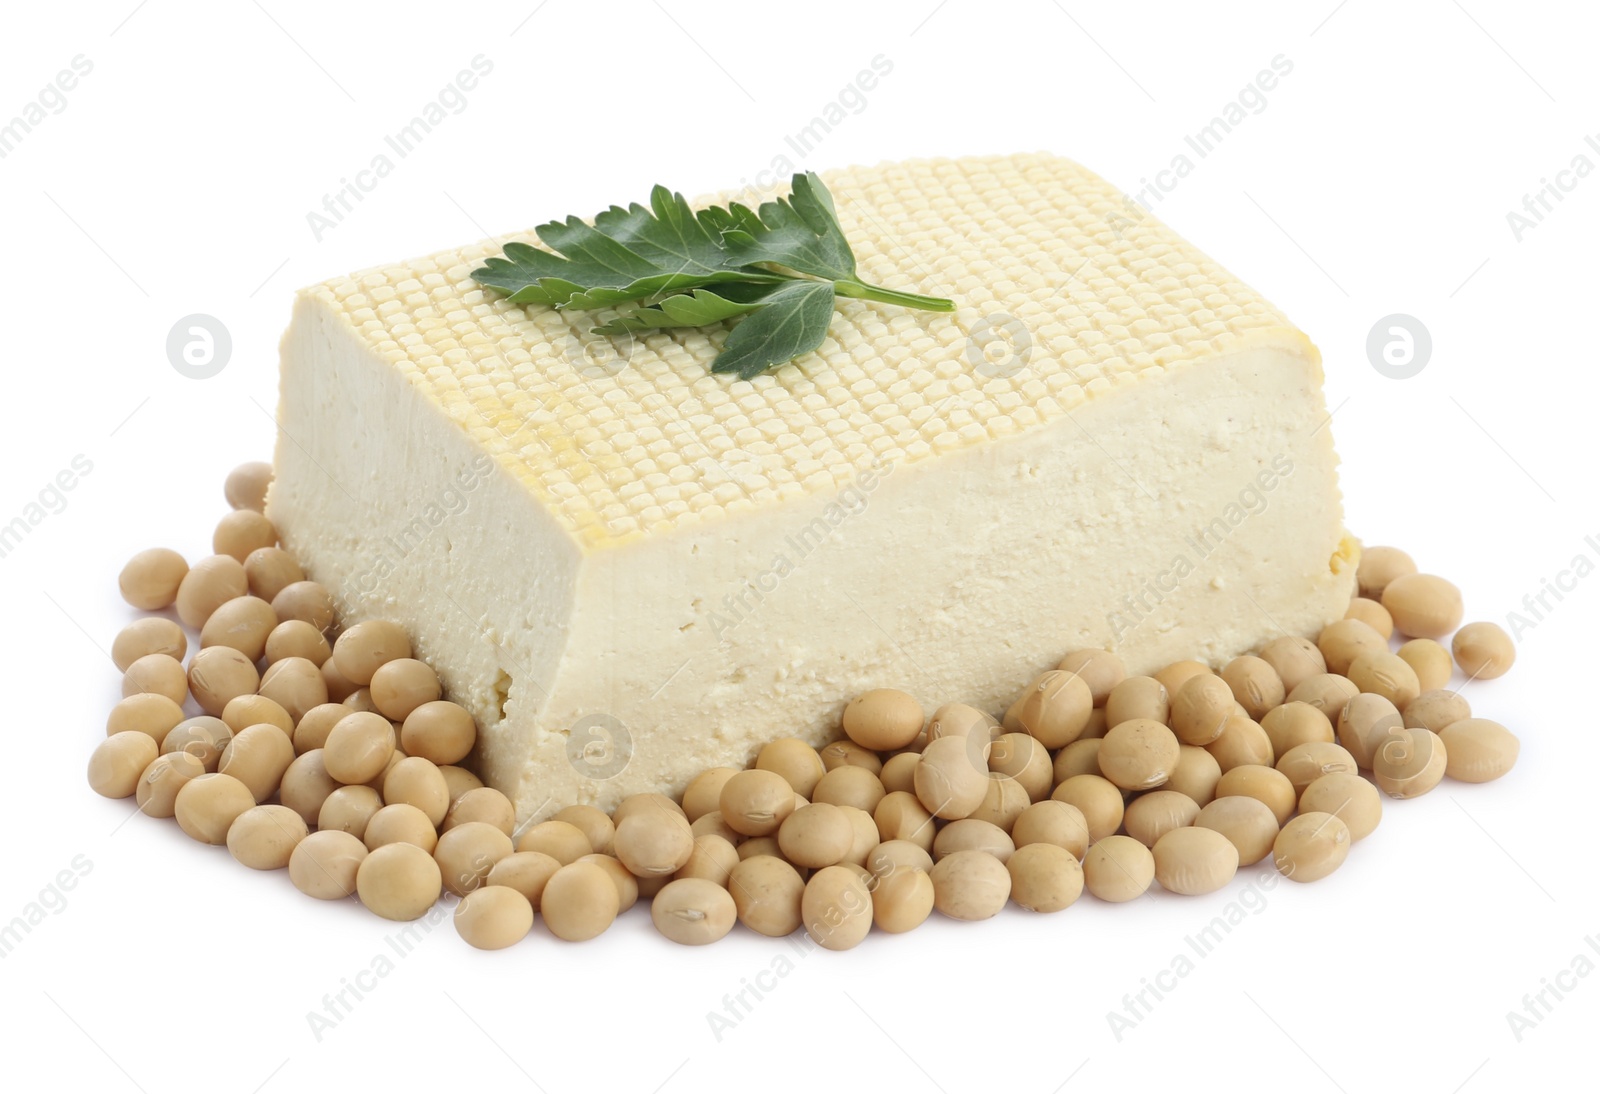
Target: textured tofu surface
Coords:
[(633, 554)]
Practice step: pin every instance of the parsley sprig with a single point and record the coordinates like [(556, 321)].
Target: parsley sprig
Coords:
[(778, 269)]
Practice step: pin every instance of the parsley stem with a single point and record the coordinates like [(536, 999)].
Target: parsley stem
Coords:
[(860, 290)]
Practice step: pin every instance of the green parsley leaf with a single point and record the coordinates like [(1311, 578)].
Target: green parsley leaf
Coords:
[(780, 267), (793, 320)]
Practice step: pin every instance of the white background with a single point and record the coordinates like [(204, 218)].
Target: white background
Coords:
[(1377, 180)]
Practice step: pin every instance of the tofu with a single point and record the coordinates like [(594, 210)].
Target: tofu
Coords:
[(630, 569)]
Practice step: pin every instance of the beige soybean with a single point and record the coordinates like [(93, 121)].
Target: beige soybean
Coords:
[(593, 822), (1096, 726), (1304, 764), (1194, 861), (401, 823), (308, 601), (349, 809), (295, 684), (142, 637), (647, 839), (1350, 798), (401, 686), (1255, 684), (203, 737), (1024, 758), (1343, 641), (359, 747), (952, 777), (258, 756), (1429, 660), (1044, 877), (1379, 566), (367, 646), (312, 728), (1371, 613), (652, 844), (1053, 822), (836, 908), (1295, 724), (419, 782), (1294, 659), (1478, 750), (480, 803), (264, 837), (150, 579), (648, 804), (767, 894), (467, 853), (693, 911), (246, 485), (1003, 802), (961, 720), (242, 623), (1248, 823), (883, 719), (1423, 605), (579, 902), (1175, 675), (1483, 651), (163, 777), (972, 835), (1150, 816), (794, 759), (853, 786), (1201, 708), (1055, 708), (1196, 775), (210, 583), (324, 864), (1265, 784), (440, 731), (159, 675), (1410, 763), (494, 917), (897, 856), (1101, 670), (1097, 798), (970, 885), (712, 824), (849, 754), (1366, 722), (297, 638), (219, 674), (1387, 675), (712, 859), (1311, 847), (1079, 758), (901, 816), (704, 793), (306, 785), (1118, 869), (338, 688), (270, 570), (755, 802), (398, 881), (154, 715), (1436, 709), (1328, 692), (528, 872), (244, 711), (119, 761), (1242, 742), (902, 900), (816, 835), (1139, 754), (1138, 697), (207, 805)]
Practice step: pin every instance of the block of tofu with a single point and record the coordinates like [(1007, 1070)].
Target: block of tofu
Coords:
[(630, 569)]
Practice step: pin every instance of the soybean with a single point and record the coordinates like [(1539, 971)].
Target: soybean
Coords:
[(398, 881), (883, 719), (1194, 861), (1118, 869), (494, 917), (1423, 605), (1483, 651), (1478, 750), (1311, 847), (693, 911), (151, 578)]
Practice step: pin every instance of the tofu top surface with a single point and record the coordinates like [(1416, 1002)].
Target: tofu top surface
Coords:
[(1065, 290)]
